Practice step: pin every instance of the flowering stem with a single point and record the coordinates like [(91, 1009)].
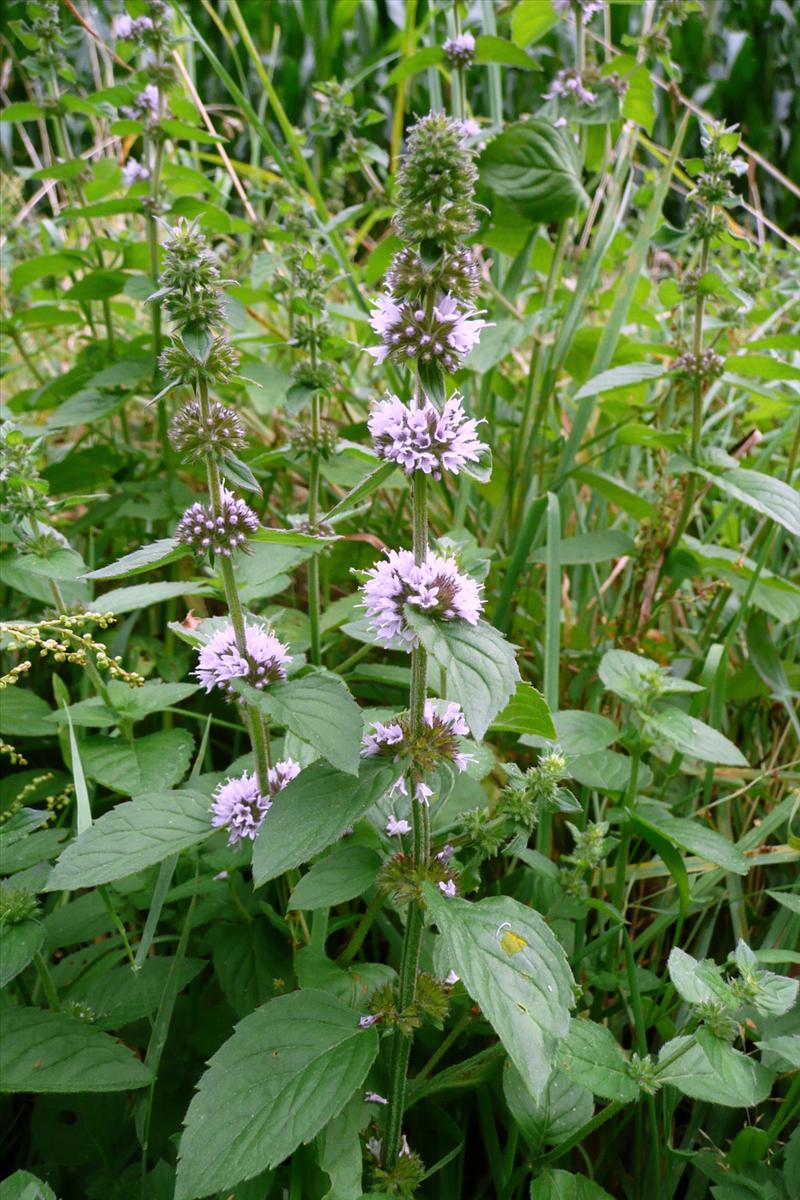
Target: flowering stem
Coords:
[(253, 720), (313, 515), (409, 961)]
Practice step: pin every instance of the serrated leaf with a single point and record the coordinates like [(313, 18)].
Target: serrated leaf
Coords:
[(563, 1185), (18, 945), (593, 1057), (342, 875), (564, 1107), (147, 764), (251, 962), (709, 1069), (313, 811), (288, 1069), (120, 996), (132, 836), (145, 559), (526, 712), (50, 1052), (693, 737), (535, 168), (479, 664), (319, 709), (516, 970), (698, 982)]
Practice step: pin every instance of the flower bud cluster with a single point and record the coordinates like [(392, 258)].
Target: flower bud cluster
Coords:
[(65, 644), (22, 490), (436, 184), (707, 365), (420, 753), (460, 51), (221, 532), (197, 433), (454, 272), (582, 10)]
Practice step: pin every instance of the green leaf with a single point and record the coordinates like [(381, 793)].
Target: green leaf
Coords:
[(252, 963), (49, 1052), (531, 20), (312, 812), (292, 537), (590, 548), (583, 732), (627, 674), (764, 493), (148, 764), (698, 982), (152, 697), (693, 737), (695, 837), (24, 714), (18, 945), (491, 49), (565, 1106), (526, 712), (132, 836), (516, 970), (97, 285), (319, 709), (192, 133), (24, 1186), (24, 111), (760, 366), (142, 595), (288, 1069), (121, 996), (429, 56), (155, 555), (479, 664), (536, 169), (709, 1069), (627, 376), (638, 103), (342, 875), (618, 493), (43, 266), (593, 1057), (563, 1185)]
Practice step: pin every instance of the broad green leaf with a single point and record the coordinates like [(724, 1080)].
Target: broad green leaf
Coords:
[(526, 712), (480, 665), (24, 111), (429, 56), (313, 811), (564, 1107), (693, 737), (760, 366), (709, 1069), (698, 982), (97, 285), (44, 266), (590, 548), (638, 103), (319, 709), (593, 1057), (132, 836), (50, 1052), (145, 559), (764, 493), (535, 168), (531, 20), (120, 996), (583, 732), (627, 674), (288, 1069), (141, 595), (516, 970), (147, 764), (252, 963), (492, 49), (191, 133), (695, 837), (554, 1184), (24, 1186), (619, 493), (18, 945), (24, 714), (152, 697), (627, 376), (342, 875)]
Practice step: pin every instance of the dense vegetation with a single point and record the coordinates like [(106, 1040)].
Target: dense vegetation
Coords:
[(400, 439)]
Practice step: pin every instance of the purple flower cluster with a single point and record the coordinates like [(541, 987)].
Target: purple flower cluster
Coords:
[(127, 29), (264, 662), (419, 752), (239, 805), (445, 334), (223, 533), (435, 586), (420, 438), (460, 51), (134, 172), (587, 8), (569, 83), (145, 105)]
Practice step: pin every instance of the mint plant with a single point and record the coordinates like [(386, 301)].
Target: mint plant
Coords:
[(398, 698)]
